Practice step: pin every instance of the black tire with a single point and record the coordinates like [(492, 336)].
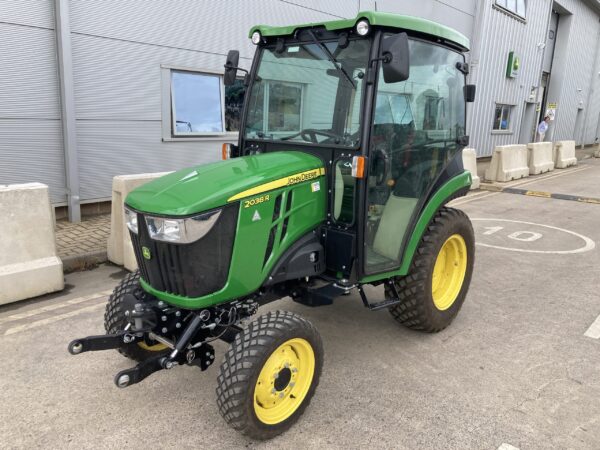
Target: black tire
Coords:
[(417, 309), (242, 365), (114, 315)]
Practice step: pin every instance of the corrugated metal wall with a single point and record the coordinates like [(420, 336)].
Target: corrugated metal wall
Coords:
[(501, 34), (30, 126), (458, 14), (120, 45), (118, 49), (581, 75)]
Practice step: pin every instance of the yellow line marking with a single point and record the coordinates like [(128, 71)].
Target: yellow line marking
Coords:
[(49, 320), (539, 194), (42, 309), (281, 182), (588, 200)]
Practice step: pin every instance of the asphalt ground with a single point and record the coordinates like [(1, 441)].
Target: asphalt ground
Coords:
[(518, 368)]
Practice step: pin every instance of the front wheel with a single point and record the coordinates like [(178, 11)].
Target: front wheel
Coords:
[(436, 286), (270, 374)]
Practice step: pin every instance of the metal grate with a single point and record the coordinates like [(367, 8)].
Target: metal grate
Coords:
[(189, 270)]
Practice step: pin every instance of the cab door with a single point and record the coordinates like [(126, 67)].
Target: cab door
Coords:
[(414, 134)]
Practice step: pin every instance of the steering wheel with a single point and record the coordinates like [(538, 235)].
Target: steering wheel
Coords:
[(310, 135), (380, 157)]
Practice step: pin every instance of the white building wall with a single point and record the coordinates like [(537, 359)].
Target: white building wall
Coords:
[(119, 47), (580, 79), (502, 33), (30, 125), (574, 82)]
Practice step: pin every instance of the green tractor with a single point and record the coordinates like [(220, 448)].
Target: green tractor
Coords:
[(350, 146)]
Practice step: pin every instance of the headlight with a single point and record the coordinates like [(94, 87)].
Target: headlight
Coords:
[(182, 231), (362, 27), (256, 37), (131, 220)]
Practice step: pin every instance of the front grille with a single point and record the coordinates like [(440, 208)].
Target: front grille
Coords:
[(190, 270)]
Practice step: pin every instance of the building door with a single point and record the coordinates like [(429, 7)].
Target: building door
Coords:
[(528, 124)]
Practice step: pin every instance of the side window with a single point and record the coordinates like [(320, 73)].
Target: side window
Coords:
[(344, 185), (234, 103), (414, 135), (197, 104)]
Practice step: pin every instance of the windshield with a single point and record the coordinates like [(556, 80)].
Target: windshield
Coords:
[(309, 92)]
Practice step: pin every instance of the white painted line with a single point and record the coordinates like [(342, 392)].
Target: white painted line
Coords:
[(462, 201), (41, 309), (506, 446), (594, 330), (52, 319), (589, 244)]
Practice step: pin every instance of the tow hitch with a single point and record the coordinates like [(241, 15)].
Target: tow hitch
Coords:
[(202, 357), (142, 320)]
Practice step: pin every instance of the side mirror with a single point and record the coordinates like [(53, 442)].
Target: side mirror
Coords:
[(395, 54), (231, 67), (469, 93)]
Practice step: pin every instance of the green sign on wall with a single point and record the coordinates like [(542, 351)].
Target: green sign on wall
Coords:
[(512, 68)]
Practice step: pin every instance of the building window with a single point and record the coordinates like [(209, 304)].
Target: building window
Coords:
[(502, 117), (197, 104), (278, 108), (514, 6), (234, 102)]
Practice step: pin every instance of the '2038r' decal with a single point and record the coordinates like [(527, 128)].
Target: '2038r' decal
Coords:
[(256, 201)]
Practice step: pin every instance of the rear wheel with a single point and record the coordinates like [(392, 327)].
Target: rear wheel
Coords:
[(269, 374), (115, 319), (435, 288)]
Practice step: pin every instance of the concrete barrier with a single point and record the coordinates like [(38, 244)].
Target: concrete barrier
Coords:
[(469, 157), (28, 263), (564, 154), (120, 249), (540, 158), (509, 162)]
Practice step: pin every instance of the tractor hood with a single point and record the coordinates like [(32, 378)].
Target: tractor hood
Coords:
[(197, 189)]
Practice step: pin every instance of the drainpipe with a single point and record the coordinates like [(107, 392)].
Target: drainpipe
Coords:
[(67, 101)]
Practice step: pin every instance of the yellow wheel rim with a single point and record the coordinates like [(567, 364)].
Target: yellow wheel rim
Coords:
[(284, 381), (158, 347), (449, 272)]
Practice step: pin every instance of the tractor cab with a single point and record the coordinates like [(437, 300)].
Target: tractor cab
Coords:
[(380, 100)]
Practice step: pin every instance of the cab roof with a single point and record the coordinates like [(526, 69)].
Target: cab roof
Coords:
[(375, 18)]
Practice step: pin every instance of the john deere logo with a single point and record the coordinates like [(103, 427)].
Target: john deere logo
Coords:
[(146, 252)]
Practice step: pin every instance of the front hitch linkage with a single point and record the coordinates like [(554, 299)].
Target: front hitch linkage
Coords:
[(202, 356)]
